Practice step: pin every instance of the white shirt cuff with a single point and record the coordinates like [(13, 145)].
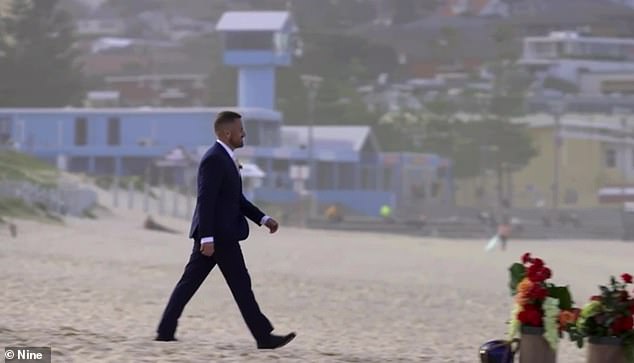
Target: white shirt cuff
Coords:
[(207, 240), (264, 219)]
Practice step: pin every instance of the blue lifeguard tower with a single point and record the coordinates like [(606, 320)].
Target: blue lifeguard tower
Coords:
[(256, 42)]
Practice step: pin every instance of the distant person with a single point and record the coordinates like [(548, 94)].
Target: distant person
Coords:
[(502, 235), (334, 214), (218, 225), (504, 231), (13, 229)]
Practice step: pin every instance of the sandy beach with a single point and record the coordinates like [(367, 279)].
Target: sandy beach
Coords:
[(94, 290)]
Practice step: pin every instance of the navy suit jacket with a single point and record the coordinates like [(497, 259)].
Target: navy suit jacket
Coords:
[(221, 207)]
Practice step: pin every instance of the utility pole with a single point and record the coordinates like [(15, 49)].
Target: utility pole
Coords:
[(623, 113), (312, 84), (557, 108)]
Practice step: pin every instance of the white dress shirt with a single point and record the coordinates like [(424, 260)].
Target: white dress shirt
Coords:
[(210, 239)]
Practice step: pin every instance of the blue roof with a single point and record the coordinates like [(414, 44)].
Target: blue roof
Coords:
[(253, 21)]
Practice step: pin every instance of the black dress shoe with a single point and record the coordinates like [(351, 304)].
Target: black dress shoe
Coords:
[(165, 339), (276, 341)]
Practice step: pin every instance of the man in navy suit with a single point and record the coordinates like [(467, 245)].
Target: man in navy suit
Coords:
[(218, 225)]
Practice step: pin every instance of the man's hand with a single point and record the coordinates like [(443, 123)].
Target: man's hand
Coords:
[(207, 249), (272, 225)]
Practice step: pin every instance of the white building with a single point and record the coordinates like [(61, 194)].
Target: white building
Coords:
[(566, 55)]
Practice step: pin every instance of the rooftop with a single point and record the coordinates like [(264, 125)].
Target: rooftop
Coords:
[(253, 21)]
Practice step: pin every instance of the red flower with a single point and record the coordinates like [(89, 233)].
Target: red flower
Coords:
[(627, 278), (622, 324), (538, 262), (538, 273), (632, 307), (538, 292), (547, 273), (596, 298), (530, 316), (526, 258)]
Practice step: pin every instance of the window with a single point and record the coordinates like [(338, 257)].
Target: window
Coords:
[(387, 178), (5, 130), (81, 131), (544, 49), (368, 178), (249, 40), (610, 158), (114, 131)]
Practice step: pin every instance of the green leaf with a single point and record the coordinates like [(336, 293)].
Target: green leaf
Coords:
[(629, 350), (563, 294), (517, 271), (604, 290)]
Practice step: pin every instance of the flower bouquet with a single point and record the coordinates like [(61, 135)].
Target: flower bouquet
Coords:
[(607, 321), (541, 311)]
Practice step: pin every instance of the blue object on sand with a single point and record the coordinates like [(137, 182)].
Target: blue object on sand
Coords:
[(498, 351)]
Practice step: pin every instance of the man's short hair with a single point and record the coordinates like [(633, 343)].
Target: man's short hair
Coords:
[(225, 118)]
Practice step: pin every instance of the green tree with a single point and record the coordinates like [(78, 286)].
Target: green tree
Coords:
[(222, 84), (510, 87), (511, 146), (473, 145), (337, 103), (511, 82), (38, 58), (292, 98), (400, 131), (348, 58), (344, 62)]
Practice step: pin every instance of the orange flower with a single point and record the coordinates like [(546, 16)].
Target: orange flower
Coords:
[(523, 288), (568, 317)]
